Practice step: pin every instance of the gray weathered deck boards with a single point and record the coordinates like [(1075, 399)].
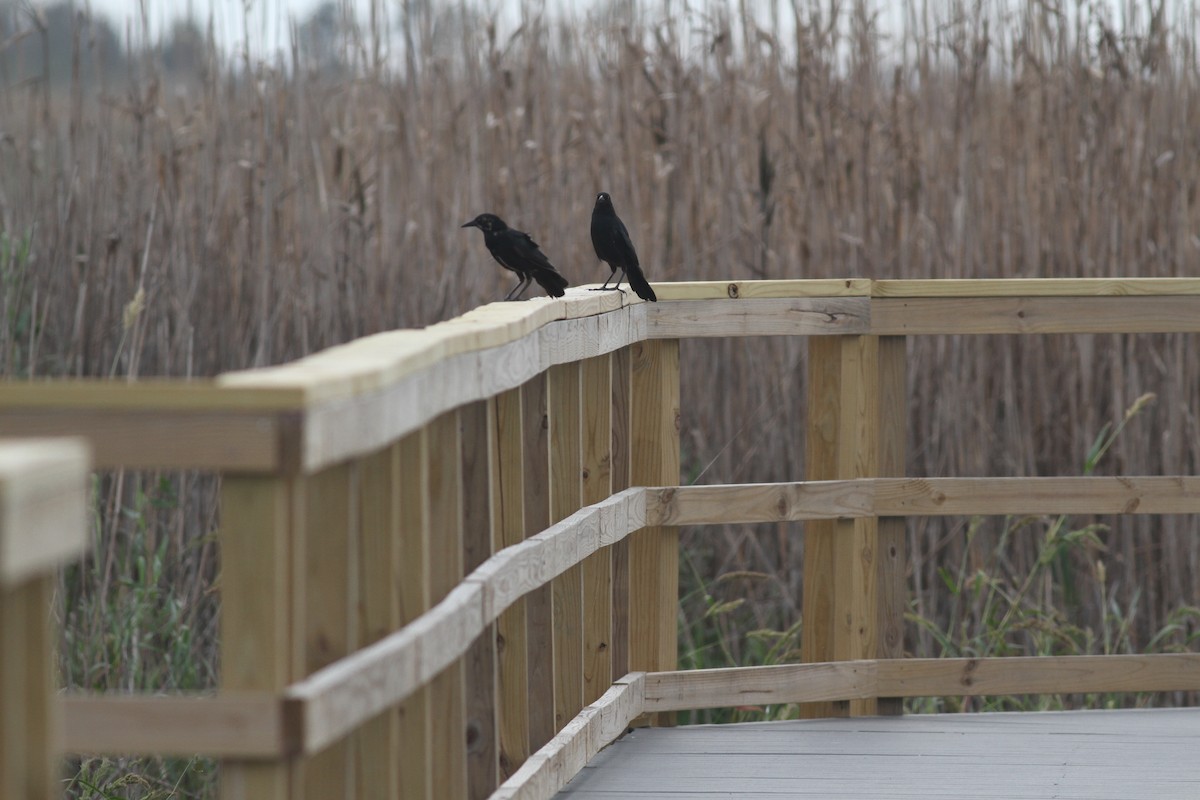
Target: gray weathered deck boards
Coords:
[(1069, 754)]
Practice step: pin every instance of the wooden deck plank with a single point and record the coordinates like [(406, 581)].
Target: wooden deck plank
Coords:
[(1072, 754)]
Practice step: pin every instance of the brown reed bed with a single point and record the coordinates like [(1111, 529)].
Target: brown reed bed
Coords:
[(182, 224)]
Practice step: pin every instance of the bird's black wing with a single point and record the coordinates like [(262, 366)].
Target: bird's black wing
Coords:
[(537, 265)]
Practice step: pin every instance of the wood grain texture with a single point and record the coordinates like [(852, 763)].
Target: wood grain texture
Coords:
[(761, 686), (566, 492), (447, 690), (569, 751), (760, 502), (44, 492), (597, 406), (30, 724), (890, 556), (654, 551), (732, 290), (802, 316), (414, 715), (978, 315), (245, 725), (262, 538), (622, 399), (478, 462), (380, 569), (821, 429), (1036, 287), (539, 608), (330, 609), (508, 508)]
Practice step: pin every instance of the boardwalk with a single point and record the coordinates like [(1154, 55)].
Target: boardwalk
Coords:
[(1071, 754)]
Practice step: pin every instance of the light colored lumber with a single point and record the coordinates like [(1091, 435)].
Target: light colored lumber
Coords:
[(539, 610), (889, 553), (145, 394), (1038, 675), (760, 686), (30, 725), (760, 502), (564, 756), (262, 588), (803, 316), (732, 290), (414, 714), (508, 510), (566, 491), (337, 699), (330, 613), (448, 740), (596, 387), (140, 439), (1035, 287), (822, 427), (44, 492), (478, 466), (621, 401), (235, 725), (978, 315), (1069, 495), (654, 551), (381, 572)]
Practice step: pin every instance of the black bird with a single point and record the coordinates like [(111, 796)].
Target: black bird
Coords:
[(516, 251), (612, 244)]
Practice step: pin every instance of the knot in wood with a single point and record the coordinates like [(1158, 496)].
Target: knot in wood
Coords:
[(732, 290)]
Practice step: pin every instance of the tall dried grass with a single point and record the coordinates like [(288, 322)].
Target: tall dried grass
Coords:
[(256, 212)]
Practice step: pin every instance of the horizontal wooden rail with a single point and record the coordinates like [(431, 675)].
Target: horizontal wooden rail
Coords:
[(920, 677), (359, 397), (252, 725), (896, 497), (562, 758)]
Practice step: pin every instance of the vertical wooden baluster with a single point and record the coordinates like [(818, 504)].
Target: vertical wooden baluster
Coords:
[(415, 717), (29, 724), (621, 400), (566, 492), (654, 552), (478, 545), (262, 611), (508, 489), (331, 614), (538, 604), (596, 383), (892, 559), (380, 571), (854, 569), (448, 689)]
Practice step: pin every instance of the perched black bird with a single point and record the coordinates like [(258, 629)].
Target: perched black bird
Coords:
[(612, 244), (517, 251)]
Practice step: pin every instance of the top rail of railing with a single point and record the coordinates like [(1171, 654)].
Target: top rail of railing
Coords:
[(358, 397)]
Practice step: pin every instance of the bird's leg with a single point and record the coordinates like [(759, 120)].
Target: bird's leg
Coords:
[(604, 288), (522, 286), (618, 286)]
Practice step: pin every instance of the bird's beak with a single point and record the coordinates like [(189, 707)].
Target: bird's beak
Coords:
[(471, 224)]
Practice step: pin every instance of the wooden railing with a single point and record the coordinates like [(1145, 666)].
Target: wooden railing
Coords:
[(442, 549), (43, 514)]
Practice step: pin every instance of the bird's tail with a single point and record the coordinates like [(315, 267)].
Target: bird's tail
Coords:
[(554, 283), (640, 285)]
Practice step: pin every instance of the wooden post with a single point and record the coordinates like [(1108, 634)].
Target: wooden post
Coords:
[(566, 493), (43, 524), (854, 583), (331, 596), (415, 720), (538, 603), (262, 611), (621, 402), (596, 382), (380, 569), (654, 552), (447, 692), (478, 467), (508, 489)]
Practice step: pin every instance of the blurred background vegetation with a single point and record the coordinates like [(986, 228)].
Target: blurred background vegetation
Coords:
[(177, 206)]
